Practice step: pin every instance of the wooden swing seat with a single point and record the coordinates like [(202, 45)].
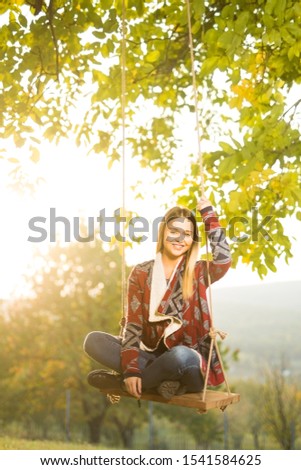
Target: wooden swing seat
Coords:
[(214, 399)]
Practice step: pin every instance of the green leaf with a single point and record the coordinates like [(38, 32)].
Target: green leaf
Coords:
[(199, 7), (279, 10), (268, 21), (270, 265), (211, 36), (227, 148), (99, 34), (105, 51), (270, 5), (297, 195), (262, 270), (196, 27), (22, 20), (294, 51), (242, 21), (138, 5), (119, 5), (152, 56), (209, 65), (225, 166), (225, 39), (106, 4)]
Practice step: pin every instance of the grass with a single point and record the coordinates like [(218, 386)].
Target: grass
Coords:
[(11, 443)]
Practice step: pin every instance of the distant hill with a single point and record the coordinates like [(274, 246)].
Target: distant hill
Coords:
[(264, 322)]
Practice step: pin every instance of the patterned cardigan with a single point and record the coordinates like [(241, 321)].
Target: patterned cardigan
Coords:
[(188, 321)]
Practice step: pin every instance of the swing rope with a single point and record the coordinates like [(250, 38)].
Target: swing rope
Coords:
[(123, 158), (112, 397), (213, 332)]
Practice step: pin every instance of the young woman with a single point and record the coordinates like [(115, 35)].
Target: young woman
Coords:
[(165, 344)]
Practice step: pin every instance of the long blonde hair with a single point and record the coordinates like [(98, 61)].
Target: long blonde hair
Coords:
[(178, 212)]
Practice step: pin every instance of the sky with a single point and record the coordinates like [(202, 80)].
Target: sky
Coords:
[(75, 185)]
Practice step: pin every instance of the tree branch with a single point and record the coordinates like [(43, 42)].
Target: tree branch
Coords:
[(37, 5), (295, 106)]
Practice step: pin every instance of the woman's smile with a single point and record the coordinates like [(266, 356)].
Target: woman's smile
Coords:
[(177, 237)]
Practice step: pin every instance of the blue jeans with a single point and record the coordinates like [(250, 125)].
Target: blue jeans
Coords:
[(178, 363)]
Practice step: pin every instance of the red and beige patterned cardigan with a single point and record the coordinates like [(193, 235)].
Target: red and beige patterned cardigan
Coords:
[(177, 321)]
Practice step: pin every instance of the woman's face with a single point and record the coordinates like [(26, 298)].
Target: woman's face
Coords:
[(178, 237)]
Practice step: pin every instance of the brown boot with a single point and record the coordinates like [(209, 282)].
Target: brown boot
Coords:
[(169, 388), (105, 380)]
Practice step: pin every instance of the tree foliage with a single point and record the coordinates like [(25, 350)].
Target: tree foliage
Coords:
[(77, 290), (268, 414), (60, 76), (282, 407)]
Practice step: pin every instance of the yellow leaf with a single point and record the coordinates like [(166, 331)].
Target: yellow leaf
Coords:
[(35, 154)]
